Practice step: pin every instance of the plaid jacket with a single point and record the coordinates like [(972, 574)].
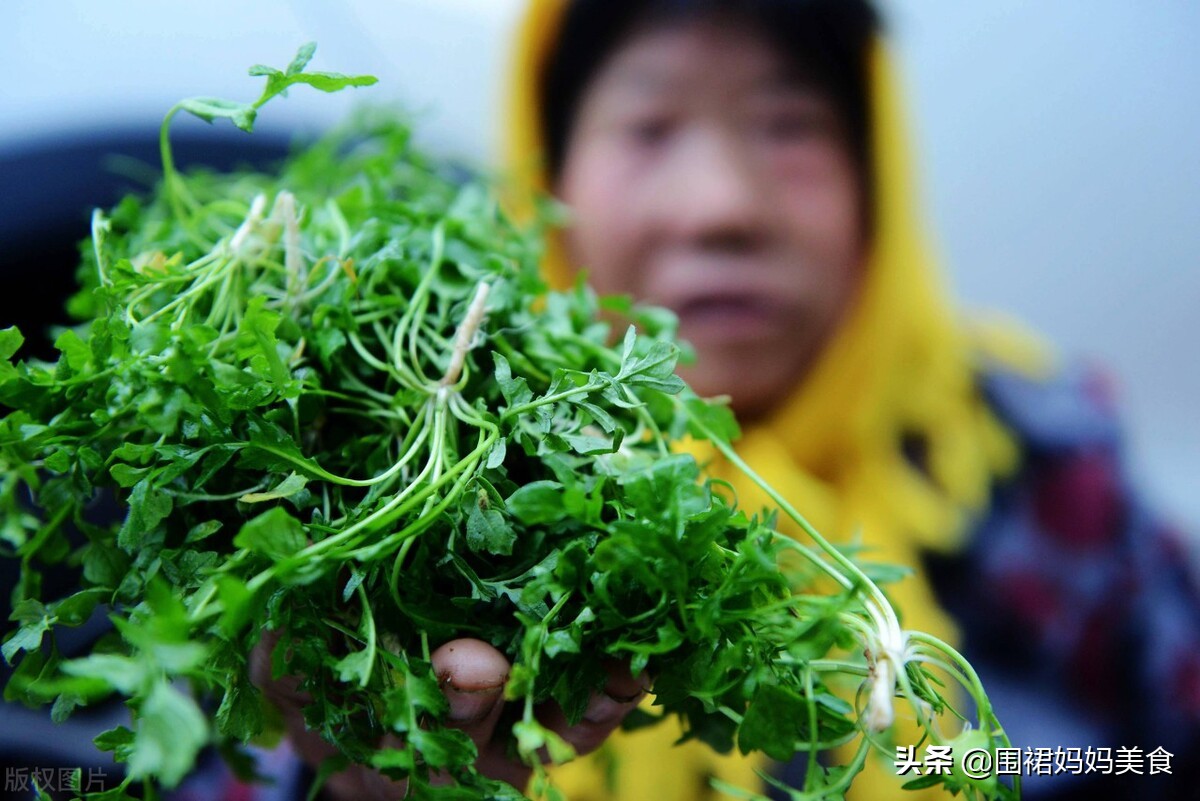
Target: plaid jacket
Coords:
[(1079, 607)]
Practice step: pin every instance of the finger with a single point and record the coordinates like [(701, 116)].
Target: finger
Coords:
[(471, 674), (622, 685), (373, 785), (284, 691), (605, 711), (260, 658), (356, 783)]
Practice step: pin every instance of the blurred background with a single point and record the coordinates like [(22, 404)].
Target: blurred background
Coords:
[(1058, 143)]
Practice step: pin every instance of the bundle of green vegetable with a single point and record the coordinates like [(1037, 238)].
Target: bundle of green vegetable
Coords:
[(338, 402)]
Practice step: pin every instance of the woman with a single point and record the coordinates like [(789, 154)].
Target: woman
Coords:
[(743, 164)]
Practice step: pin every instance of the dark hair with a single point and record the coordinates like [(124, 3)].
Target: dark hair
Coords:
[(826, 38)]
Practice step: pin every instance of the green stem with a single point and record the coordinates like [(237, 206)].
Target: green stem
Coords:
[(311, 467), (975, 687), (810, 771), (100, 226), (176, 189), (556, 397), (419, 296), (198, 610), (465, 470), (171, 177), (369, 625), (382, 512), (825, 545)]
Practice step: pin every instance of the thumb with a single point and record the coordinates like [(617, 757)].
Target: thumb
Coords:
[(472, 674)]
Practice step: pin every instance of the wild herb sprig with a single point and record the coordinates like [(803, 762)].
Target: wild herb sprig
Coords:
[(338, 402)]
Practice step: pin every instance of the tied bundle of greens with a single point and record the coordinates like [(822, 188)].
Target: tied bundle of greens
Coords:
[(339, 403)]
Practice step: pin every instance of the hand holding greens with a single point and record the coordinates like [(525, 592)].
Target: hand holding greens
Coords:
[(339, 403)]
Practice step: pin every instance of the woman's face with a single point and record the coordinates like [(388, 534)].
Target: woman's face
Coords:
[(704, 176)]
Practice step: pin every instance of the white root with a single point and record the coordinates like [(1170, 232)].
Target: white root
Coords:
[(880, 708), (257, 206), (885, 659), (293, 257), (466, 334)]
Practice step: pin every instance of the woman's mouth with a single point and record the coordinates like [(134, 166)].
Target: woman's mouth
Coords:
[(729, 317)]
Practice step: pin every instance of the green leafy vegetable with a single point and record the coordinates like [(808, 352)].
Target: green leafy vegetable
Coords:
[(339, 403)]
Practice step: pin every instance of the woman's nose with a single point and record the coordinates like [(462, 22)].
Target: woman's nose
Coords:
[(710, 194)]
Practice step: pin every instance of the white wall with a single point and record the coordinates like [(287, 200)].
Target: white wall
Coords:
[(1062, 145), (1061, 141)]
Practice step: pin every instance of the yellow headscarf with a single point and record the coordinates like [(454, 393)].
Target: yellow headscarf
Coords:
[(899, 366)]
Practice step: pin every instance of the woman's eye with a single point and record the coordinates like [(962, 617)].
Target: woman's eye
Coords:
[(648, 131), (790, 126)]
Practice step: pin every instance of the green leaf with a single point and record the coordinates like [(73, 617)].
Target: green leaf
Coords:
[(563, 641), (118, 740), (210, 109), (355, 667), (35, 622), (532, 736), (169, 732), (515, 390), (122, 673), (444, 748), (11, 341), (600, 416), (259, 325), (303, 56), (654, 370), (236, 603), (148, 507), (75, 351), (134, 452), (496, 455), (271, 449), (104, 565), (814, 639), (285, 489), (388, 758), (278, 82), (488, 531), (628, 344), (127, 475), (321, 81), (329, 342), (75, 610), (273, 533), (64, 705), (241, 712), (520, 682), (537, 502), (202, 531), (59, 461), (415, 693), (707, 418), (588, 445), (772, 722)]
